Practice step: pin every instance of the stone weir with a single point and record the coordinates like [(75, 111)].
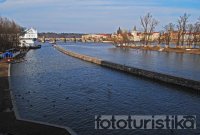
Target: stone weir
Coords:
[(187, 83)]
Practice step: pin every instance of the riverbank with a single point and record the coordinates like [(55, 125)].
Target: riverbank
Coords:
[(4, 85), (191, 84), (166, 49), (10, 121)]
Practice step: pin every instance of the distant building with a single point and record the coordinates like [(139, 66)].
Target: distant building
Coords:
[(96, 37), (30, 35), (136, 36), (119, 31), (155, 36)]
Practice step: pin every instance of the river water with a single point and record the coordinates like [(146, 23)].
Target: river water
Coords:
[(178, 64), (52, 87)]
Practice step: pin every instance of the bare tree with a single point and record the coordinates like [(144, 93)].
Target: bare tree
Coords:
[(179, 28), (169, 28), (122, 38), (148, 24), (9, 34), (196, 34), (160, 38), (182, 24), (190, 29), (125, 38)]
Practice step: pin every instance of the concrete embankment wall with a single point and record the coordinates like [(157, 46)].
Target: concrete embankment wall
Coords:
[(194, 85)]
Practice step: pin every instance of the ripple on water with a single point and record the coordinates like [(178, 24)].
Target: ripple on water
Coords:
[(70, 92)]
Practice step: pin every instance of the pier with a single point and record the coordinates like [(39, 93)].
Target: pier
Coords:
[(183, 82)]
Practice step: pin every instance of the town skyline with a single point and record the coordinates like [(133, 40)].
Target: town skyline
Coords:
[(94, 16)]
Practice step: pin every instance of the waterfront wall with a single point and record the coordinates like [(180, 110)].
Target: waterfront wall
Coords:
[(194, 85)]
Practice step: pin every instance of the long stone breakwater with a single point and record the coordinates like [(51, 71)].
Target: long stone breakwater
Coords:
[(187, 83)]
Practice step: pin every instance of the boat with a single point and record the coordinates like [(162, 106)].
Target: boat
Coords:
[(35, 47)]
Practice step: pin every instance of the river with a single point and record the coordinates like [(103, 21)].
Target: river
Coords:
[(178, 64), (52, 87)]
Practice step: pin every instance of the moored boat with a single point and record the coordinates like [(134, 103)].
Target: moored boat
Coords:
[(35, 47)]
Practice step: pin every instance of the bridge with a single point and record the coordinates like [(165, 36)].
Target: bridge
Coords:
[(54, 40)]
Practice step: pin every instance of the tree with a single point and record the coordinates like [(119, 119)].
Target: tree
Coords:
[(120, 39), (198, 20), (178, 33), (9, 34), (190, 30), (125, 38), (182, 24), (169, 28), (196, 34), (148, 24), (160, 38)]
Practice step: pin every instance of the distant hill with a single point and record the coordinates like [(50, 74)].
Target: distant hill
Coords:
[(60, 35)]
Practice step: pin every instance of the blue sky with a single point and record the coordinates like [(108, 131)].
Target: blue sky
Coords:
[(94, 16)]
